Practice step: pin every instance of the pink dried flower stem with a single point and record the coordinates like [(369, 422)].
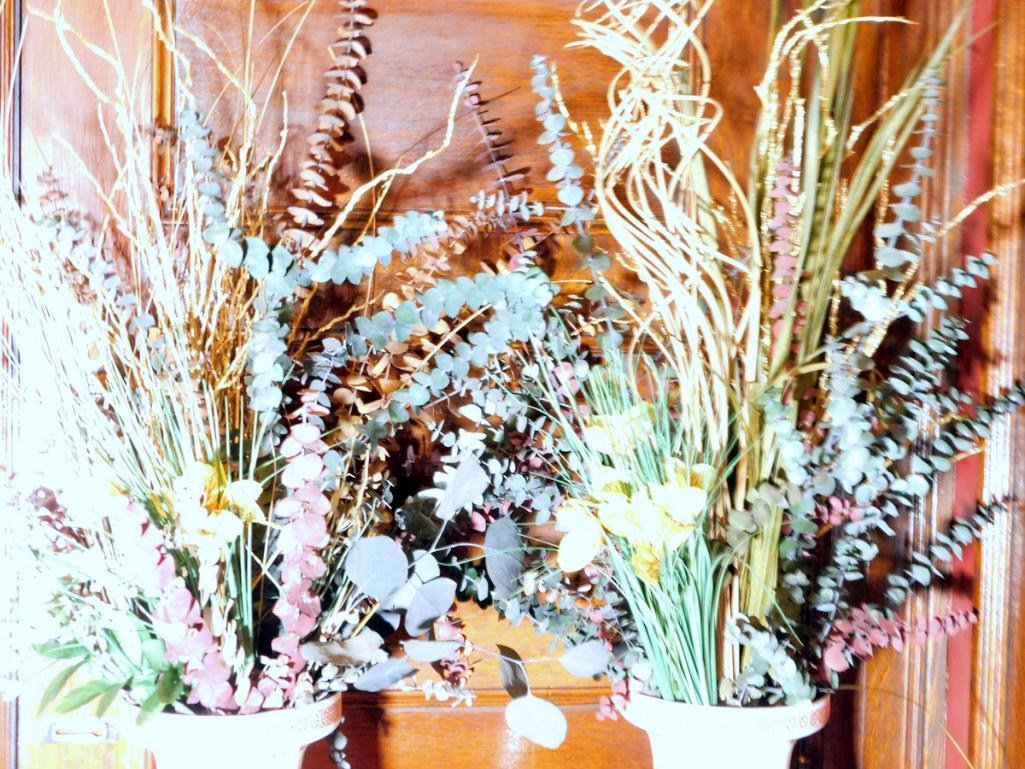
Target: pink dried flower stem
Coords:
[(301, 540), (612, 704), (456, 668), (836, 511), (864, 630), (783, 251)]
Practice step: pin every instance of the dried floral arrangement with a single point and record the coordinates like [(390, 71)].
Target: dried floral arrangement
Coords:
[(210, 516), (722, 450), (717, 450)]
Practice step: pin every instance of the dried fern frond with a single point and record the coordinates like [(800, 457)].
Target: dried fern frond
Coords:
[(507, 200), (319, 185)]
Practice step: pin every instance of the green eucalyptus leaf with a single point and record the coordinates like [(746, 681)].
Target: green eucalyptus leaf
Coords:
[(463, 487), (571, 195), (430, 651), (918, 485), (430, 602), (231, 252), (84, 694), (920, 574), (57, 685), (562, 156), (586, 660), (377, 566), (889, 230), (584, 244), (503, 556), (907, 190)]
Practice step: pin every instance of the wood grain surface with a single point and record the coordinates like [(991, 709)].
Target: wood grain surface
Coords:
[(901, 702), (409, 86), (396, 731)]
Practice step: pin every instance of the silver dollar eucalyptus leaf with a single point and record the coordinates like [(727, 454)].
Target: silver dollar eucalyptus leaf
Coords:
[(384, 675), (462, 488), (430, 651), (431, 601), (377, 566), (503, 556), (586, 660), (538, 720), (512, 673)]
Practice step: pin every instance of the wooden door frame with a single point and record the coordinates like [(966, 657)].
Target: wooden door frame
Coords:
[(997, 656), (12, 28), (10, 98)]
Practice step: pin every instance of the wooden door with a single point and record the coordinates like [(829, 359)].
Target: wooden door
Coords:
[(902, 707)]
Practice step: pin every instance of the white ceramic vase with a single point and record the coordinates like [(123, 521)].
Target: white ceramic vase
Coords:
[(275, 739), (699, 737)]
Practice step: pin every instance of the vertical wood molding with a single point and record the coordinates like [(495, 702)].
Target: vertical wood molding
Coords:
[(996, 737), (10, 87), (163, 90), (10, 98)]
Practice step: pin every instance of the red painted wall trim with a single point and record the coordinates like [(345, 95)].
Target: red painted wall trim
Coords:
[(982, 58)]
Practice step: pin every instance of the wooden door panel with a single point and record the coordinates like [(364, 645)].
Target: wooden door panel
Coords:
[(60, 110), (409, 84), (394, 730)]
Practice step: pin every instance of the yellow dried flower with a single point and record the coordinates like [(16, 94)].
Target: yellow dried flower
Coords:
[(210, 513), (700, 475), (645, 563), (243, 496), (654, 520)]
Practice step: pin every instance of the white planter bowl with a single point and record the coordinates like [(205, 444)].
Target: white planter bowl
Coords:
[(699, 737), (275, 739)]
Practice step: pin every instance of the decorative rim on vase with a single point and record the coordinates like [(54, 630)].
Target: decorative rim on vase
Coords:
[(788, 722)]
